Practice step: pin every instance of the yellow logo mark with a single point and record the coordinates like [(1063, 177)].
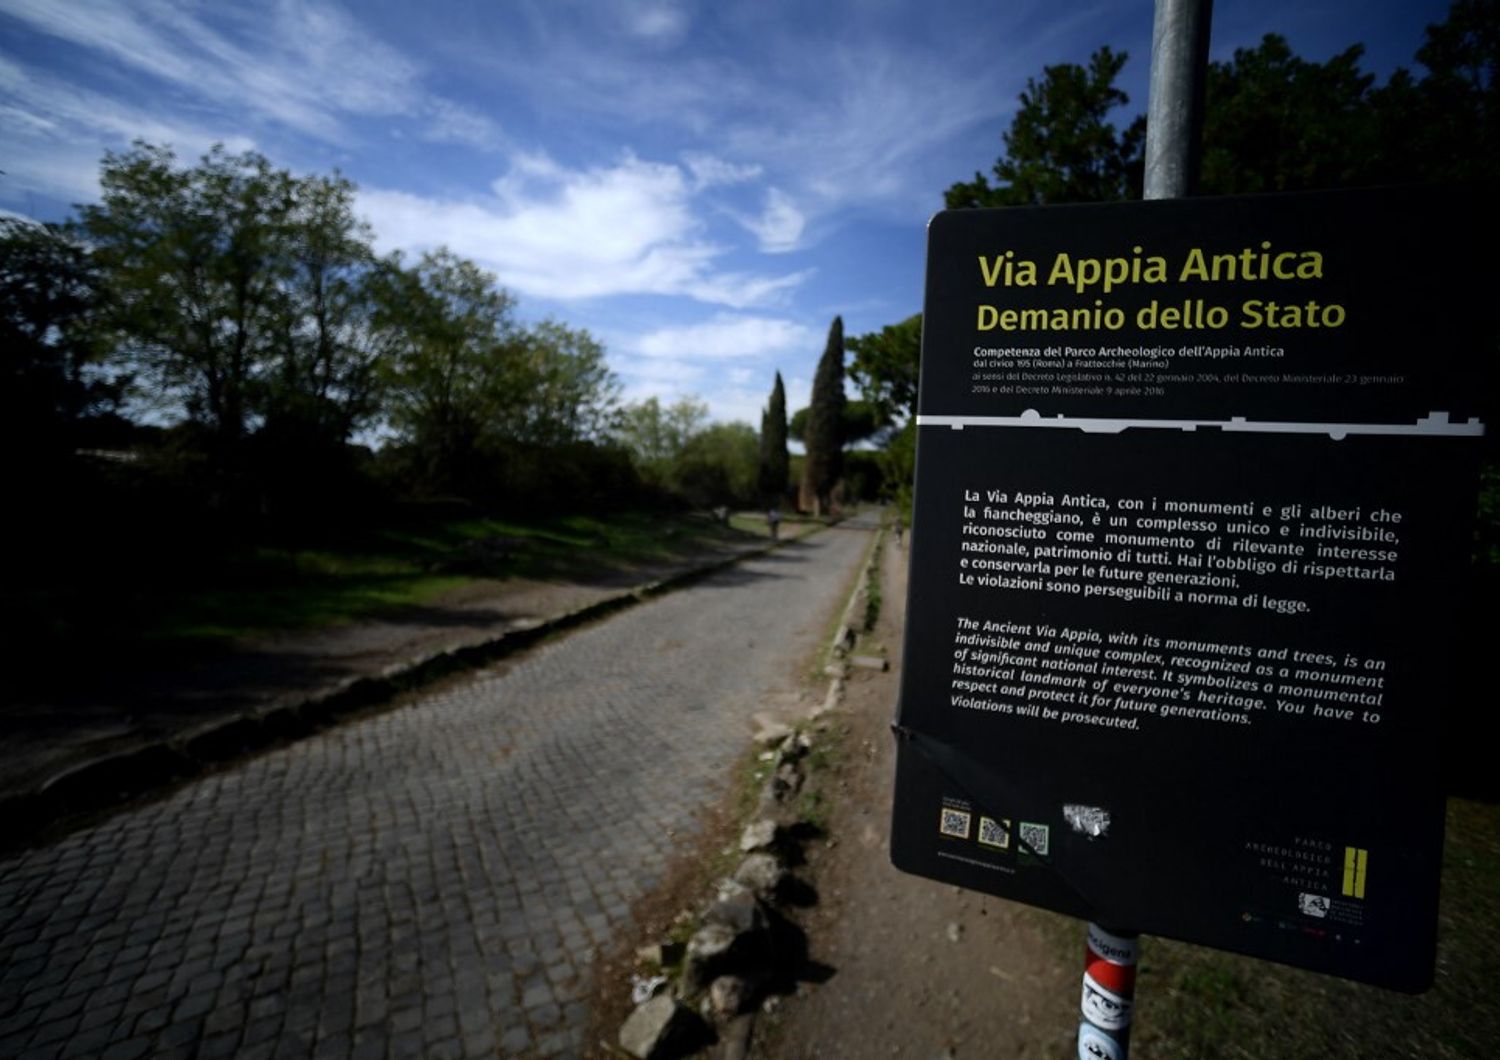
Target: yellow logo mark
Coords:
[(1355, 863)]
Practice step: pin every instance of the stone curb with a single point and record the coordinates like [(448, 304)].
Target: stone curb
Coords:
[(95, 785), (680, 1028)]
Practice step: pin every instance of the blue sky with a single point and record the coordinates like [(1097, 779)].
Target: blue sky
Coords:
[(701, 185)]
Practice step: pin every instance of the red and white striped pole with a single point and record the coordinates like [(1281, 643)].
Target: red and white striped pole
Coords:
[(1108, 1002)]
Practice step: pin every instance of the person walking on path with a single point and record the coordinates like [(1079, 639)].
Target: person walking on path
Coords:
[(773, 522)]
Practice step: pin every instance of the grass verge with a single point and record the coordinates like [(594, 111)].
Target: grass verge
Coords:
[(205, 596)]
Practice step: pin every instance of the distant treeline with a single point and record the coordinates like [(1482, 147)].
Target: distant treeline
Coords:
[(221, 340)]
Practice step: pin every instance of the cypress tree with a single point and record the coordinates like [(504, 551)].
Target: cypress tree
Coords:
[(773, 455), (825, 422)]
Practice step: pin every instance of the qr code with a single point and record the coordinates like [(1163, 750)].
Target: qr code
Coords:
[(954, 823), (1035, 837), (993, 833)]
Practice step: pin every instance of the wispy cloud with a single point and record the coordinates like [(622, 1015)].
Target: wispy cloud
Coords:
[(710, 171), (306, 66), (727, 337), (779, 225), (555, 232)]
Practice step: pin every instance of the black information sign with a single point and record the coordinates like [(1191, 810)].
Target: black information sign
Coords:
[(1195, 492)]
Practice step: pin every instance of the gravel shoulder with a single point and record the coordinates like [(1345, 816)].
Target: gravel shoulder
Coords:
[(921, 969)]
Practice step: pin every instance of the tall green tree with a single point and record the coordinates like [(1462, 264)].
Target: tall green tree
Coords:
[(824, 436), (563, 390), (774, 461), (196, 264), (1462, 93), (886, 365), (323, 382), (50, 375), (719, 465), (1276, 122), (1062, 145), (247, 299), (860, 421), (656, 434), (453, 372)]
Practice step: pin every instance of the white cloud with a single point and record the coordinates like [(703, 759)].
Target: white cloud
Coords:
[(306, 65), (709, 171), (446, 122), (780, 224), (553, 232), (726, 337), (661, 23)]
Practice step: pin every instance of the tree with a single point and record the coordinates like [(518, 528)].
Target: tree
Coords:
[(861, 421), (452, 372), (324, 382), (196, 266), (718, 466), (49, 348), (1456, 131), (886, 367), (774, 462), (563, 391), (1062, 145), (824, 435), (248, 300), (1276, 122), (656, 435)]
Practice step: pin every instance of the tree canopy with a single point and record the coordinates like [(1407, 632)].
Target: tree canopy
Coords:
[(1062, 145)]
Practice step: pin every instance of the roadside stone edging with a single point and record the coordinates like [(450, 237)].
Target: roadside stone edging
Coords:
[(98, 783), (707, 992)]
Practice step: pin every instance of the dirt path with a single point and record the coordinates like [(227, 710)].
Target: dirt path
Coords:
[(922, 969)]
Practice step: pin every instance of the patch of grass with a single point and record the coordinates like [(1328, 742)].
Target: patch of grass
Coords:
[(201, 594), (872, 585)]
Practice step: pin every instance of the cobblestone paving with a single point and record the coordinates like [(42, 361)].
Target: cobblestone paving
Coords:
[(429, 882)]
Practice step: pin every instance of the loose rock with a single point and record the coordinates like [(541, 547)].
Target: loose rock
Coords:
[(758, 835), (772, 732), (742, 914), (728, 996), (762, 873), (658, 1027)]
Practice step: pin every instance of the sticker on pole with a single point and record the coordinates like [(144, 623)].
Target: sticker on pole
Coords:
[(1094, 1044), (1105, 1008)]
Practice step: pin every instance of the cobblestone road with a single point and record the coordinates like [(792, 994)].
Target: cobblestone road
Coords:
[(429, 882)]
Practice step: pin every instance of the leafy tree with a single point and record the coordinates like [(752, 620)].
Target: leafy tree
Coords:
[(861, 421), (824, 435), (719, 465), (886, 366), (1062, 145), (774, 464), (1456, 131), (563, 390), (324, 380), (453, 370), (196, 266), (49, 348), (655, 434), (1276, 122)]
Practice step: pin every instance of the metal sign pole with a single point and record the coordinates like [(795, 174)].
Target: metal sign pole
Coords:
[(1174, 114), (1174, 138)]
